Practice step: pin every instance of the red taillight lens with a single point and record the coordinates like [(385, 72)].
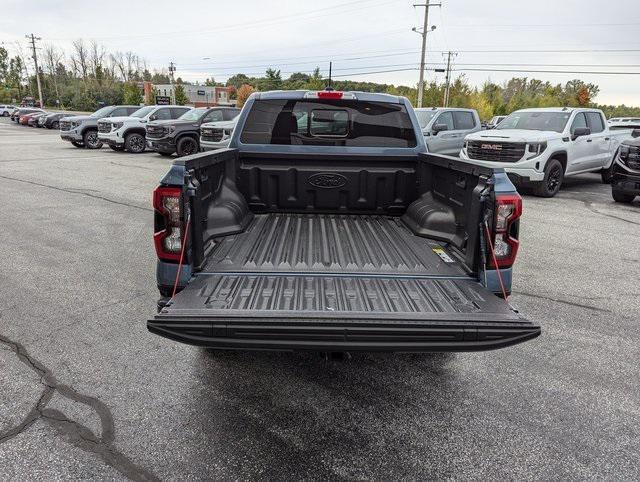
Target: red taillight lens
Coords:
[(168, 236), (505, 246), (329, 94)]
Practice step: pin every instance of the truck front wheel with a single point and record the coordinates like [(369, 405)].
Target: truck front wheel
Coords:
[(91, 140), (135, 143), (621, 197), (553, 176), (187, 146)]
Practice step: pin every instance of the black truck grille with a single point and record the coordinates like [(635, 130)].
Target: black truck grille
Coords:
[(212, 135), (155, 132), (496, 151), (633, 160), (64, 125), (104, 127)]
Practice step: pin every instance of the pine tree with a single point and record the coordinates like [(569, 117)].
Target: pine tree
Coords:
[(180, 95)]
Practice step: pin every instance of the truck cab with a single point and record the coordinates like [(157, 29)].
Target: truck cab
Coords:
[(128, 132), (327, 226), (444, 129), (538, 148)]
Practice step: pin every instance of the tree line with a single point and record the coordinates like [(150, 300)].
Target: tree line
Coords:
[(89, 76)]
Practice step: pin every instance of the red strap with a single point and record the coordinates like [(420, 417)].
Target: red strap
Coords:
[(495, 261), (184, 244)]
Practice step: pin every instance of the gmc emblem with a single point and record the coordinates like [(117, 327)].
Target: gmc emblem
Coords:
[(491, 147)]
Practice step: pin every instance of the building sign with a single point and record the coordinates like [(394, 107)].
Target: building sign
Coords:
[(163, 100), (201, 92)]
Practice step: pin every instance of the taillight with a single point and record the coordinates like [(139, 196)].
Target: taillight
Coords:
[(505, 246), (169, 226), (329, 94)]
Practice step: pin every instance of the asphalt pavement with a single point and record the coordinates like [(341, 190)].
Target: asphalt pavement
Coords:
[(87, 393)]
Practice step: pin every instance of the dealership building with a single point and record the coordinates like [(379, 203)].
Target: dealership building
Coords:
[(198, 95)]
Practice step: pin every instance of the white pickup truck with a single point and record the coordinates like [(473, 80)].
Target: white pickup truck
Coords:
[(128, 132), (539, 147)]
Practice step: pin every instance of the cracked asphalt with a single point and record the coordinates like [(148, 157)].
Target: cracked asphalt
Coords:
[(87, 393)]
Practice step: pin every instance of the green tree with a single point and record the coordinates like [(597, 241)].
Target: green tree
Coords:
[(271, 81), (4, 65), (315, 82), (238, 81), (132, 94), (180, 95)]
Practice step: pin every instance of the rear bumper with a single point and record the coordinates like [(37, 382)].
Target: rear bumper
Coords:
[(322, 336)]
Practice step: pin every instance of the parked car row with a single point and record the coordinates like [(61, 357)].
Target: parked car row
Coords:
[(33, 116), (166, 129)]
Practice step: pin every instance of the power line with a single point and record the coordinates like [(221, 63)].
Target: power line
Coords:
[(309, 14), (591, 72)]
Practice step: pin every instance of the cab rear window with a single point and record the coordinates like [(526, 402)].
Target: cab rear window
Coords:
[(328, 122)]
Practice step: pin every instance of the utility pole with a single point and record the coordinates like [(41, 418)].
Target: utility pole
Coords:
[(425, 26), (172, 69), (33, 39), (445, 102)]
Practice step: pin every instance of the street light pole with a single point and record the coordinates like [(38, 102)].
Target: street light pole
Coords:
[(424, 32)]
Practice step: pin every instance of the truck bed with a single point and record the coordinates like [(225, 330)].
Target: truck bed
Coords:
[(316, 243), (313, 281)]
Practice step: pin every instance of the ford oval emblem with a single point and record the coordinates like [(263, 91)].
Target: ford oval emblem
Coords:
[(327, 180)]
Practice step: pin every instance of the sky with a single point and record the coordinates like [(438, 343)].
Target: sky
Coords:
[(369, 40)]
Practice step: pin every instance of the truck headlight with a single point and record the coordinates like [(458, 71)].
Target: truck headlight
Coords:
[(75, 124), (535, 149), (117, 125), (630, 156)]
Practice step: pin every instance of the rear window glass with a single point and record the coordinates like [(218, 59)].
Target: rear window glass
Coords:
[(348, 123)]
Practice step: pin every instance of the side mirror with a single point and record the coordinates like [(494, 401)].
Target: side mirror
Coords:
[(635, 133), (579, 132), (439, 128)]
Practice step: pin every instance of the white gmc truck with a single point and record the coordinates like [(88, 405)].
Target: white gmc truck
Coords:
[(539, 147), (127, 133)]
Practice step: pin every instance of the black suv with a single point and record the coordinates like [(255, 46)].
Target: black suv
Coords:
[(625, 171), (181, 135)]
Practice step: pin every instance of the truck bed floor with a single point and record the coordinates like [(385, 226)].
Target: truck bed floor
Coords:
[(330, 243)]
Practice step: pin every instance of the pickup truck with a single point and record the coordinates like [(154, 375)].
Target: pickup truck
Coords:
[(327, 226), (445, 128), (625, 172), (182, 135), (538, 148), (216, 135), (82, 130), (128, 132)]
